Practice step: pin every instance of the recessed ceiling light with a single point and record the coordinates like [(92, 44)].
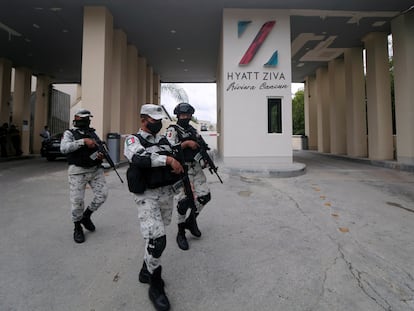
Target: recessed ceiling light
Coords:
[(38, 9), (378, 24), (182, 60), (27, 40), (173, 31), (185, 69), (55, 9), (178, 49), (65, 30), (36, 26)]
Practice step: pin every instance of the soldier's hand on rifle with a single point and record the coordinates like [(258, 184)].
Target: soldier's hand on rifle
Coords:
[(89, 142), (100, 156), (190, 144), (175, 165)]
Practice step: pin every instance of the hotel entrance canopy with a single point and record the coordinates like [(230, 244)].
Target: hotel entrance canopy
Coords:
[(180, 39)]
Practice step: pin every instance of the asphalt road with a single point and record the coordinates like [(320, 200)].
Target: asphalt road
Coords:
[(340, 237)]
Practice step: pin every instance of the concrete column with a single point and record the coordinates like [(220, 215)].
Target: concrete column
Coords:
[(5, 95), (156, 89), (40, 111), (21, 105), (130, 116), (337, 117), (311, 113), (322, 89), (131, 113), (149, 85), (403, 43), (380, 140), (142, 85), (356, 138), (119, 82), (97, 66)]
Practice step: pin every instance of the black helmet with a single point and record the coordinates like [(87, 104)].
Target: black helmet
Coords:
[(183, 108)]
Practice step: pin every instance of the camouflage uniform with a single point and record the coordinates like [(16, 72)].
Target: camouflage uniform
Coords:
[(154, 205), (195, 173), (79, 177)]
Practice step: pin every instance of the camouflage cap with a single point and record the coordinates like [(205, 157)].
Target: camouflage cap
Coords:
[(154, 111)]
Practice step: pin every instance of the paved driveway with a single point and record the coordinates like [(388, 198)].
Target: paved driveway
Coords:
[(340, 237)]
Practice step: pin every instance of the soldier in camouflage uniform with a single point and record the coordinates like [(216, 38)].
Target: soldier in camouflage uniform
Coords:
[(152, 171), (84, 159), (184, 134)]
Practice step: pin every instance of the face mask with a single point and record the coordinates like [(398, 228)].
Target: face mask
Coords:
[(155, 127), (82, 123), (183, 122)]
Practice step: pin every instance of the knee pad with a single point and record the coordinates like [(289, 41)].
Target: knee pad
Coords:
[(157, 246), (204, 198), (182, 206)]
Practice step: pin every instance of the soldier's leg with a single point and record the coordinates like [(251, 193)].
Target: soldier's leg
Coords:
[(77, 184), (166, 206), (201, 188), (181, 203), (153, 231), (100, 191), (99, 188), (152, 227), (202, 194)]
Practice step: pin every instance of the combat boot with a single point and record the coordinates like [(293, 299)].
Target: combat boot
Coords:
[(191, 224), (144, 274), (78, 235), (156, 291), (181, 239), (86, 220)]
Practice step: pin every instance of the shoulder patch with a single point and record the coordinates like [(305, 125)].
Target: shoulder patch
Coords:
[(130, 141)]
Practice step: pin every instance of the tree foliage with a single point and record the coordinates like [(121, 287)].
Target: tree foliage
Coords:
[(298, 113), (176, 91)]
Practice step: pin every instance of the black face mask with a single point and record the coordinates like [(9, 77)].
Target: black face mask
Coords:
[(183, 122), (82, 123), (155, 127)]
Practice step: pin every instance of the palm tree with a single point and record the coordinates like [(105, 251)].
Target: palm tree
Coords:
[(177, 92)]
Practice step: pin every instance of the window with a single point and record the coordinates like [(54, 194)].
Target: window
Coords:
[(274, 115)]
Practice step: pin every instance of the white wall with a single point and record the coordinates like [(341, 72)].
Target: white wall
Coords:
[(244, 111)]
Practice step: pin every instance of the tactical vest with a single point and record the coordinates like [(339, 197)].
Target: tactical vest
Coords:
[(140, 179), (81, 157), (184, 135)]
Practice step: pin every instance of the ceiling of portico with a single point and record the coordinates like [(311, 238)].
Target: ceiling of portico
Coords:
[(180, 38)]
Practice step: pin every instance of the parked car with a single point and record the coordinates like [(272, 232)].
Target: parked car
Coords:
[(51, 148)]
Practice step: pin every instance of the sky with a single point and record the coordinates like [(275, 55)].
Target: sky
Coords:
[(203, 97)]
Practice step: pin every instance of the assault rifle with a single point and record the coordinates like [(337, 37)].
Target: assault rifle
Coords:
[(203, 154), (185, 180), (185, 183), (102, 148)]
